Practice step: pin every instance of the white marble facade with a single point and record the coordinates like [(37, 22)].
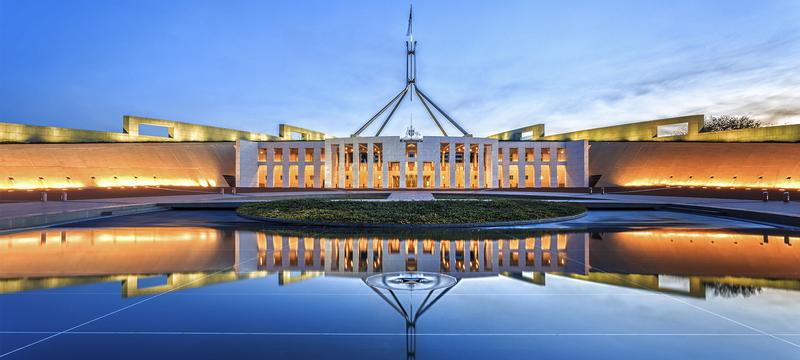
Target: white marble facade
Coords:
[(432, 162)]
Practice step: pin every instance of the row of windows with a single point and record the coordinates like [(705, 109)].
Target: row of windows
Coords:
[(544, 156), (278, 154), (293, 153)]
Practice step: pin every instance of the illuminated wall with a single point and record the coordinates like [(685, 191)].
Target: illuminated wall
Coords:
[(649, 131), (97, 252), (181, 131), (176, 132), (24, 166), (695, 252), (756, 165)]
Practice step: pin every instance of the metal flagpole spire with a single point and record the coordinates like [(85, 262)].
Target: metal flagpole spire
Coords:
[(410, 89)]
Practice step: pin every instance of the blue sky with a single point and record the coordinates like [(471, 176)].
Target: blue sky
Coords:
[(329, 65)]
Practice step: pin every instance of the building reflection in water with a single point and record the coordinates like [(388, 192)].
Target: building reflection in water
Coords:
[(461, 258), (685, 262)]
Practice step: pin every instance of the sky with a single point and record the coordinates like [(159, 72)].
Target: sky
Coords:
[(330, 65)]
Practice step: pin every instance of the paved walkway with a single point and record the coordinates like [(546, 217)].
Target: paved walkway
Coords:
[(31, 214), (773, 207), (410, 196)]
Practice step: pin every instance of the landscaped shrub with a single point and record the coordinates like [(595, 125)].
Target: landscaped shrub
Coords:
[(409, 212)]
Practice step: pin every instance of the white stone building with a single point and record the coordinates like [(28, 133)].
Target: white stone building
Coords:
[(430, 162)]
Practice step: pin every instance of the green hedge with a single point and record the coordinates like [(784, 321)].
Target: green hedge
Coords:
[(409, 212)]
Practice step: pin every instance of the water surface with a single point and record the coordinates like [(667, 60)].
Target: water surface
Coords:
[(615, 285)]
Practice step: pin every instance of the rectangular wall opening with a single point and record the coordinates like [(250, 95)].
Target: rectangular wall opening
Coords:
[(411, 175), (277, 176), (672, 130), (154, 130), (529, 176), (262, 176), (544, 175), (377, 165), (513, 176), (308, 174)]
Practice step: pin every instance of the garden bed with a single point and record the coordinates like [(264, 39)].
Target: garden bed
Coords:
[(437, 213)]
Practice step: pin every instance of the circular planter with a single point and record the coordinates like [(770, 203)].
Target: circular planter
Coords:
[(279, 221)]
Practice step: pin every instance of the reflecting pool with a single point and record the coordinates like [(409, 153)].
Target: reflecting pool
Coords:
[(208, 285)]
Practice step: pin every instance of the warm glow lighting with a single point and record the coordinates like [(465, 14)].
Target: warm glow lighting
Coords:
[(110, 182), (788, 184), (117, 235)]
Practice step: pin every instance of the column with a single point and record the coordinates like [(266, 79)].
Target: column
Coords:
[(553, 166), (506, 160), (554, 251), (342, 255), (481, 251), (521, 166), (341, 165), (403, 170), (481, 165), (370, 160), (328, 254), (301, 167), (385, 167), (452, 250), (329, 181), (356, 255), (537, 166), (269, 261), (494, 165), (420, 167), (495, 257), (506, 249), (370, 255), (356, 165), (318, 167), (467, 166), (301, 252), (285, 252), (437, 167), (452, 151), (316, 256), (285, 166), (270, 166)]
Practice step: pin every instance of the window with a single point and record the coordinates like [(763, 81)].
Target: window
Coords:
[(309, 155), (363, 153), (526, 135), (377, 149), (545, 154), (293, 155), (514, 154), (411, 150), (278, 155), (529, 154), (561, 154)]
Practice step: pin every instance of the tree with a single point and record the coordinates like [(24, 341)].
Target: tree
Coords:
[(730, 122)]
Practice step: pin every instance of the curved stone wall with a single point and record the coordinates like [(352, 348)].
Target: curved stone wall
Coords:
[(31, 166), (769, 165)]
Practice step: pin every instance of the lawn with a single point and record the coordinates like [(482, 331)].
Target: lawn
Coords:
[(409, 212)]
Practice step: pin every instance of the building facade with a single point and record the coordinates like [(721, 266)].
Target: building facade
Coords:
[(37, 157), (431, 162)]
